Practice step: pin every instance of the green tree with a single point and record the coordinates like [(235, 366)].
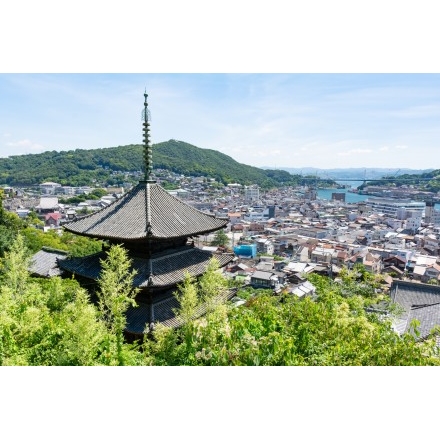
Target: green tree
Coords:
[(33, 220), (15, 272), (220, 238), (334, 329), (45, 322), (79, 246), (180, 347), (10, 225), (212, 285), (116, 293)]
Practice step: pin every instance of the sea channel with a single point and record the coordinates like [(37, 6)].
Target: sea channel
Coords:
[(350, 197)]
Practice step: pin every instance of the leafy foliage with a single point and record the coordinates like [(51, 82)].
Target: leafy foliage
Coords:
[(10, 225), (335, 329), (53, 322), (75, 245), (220, 238), (45, 322), (35, 239), (115, 295)]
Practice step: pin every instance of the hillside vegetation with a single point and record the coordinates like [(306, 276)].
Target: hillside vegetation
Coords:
[(87, 167), (417, 180)]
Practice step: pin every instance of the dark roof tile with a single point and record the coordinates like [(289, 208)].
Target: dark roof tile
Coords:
[(418, 301), (169, 268), (138, 318), (45, 262), (128, 217)]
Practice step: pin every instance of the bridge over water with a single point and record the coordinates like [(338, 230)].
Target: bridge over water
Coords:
[(363, 179)]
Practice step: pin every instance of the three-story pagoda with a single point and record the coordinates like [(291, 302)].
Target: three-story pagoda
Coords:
[(156, 228)]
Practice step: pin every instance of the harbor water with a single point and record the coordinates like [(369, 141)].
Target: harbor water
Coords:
[(326, 194)]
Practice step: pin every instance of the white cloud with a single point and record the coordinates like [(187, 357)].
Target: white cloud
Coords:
[(25, 146), (355, 151), (385, 148), (401, 147), (267, 153)]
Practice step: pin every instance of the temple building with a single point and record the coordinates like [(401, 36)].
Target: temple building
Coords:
[(158, 231)]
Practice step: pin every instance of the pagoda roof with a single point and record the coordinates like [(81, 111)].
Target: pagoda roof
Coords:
[(147, 204), (164, 312), (45, 262), (167, 268)]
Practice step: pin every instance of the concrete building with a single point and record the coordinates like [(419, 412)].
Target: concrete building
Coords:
[(393, 207), (340, 197), (49, 187), (431, 214), (251, 193)]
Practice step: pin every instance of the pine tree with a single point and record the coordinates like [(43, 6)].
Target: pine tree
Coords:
[(220, 238)]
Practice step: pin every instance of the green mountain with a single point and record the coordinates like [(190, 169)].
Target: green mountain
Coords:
[(426, 181), (97, 166)]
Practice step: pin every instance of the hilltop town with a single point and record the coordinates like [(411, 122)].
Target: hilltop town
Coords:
[(279, 235)]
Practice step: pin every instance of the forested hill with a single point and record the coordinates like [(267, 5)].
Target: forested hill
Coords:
[(429, 181), (86, 167)]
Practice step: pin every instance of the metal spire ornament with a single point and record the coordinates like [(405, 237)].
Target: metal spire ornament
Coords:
[(148, 153)]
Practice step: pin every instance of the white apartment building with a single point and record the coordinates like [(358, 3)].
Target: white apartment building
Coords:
[(413, 223), (251, 193), (431, 214), (49, 187), (393, 207), (435, 218), (69, 190)]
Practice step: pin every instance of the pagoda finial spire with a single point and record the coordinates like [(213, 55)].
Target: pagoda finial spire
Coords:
[(148, 154)]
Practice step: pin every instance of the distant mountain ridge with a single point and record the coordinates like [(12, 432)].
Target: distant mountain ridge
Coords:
[(98, 166), (87, 167), (354, 173), (424, 180)]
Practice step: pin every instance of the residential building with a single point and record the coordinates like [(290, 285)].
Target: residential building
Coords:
[(246, 250), (49, 187), (251, 193), (431, 214), (265, 246), (266, 280), (393, 207)]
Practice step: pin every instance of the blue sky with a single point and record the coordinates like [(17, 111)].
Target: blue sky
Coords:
[(276, 120)]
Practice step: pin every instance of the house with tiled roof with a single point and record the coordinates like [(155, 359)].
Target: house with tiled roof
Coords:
[(396, 261), (371, 262), (47, 204), (53, 219), (419, 302), (263, 279)]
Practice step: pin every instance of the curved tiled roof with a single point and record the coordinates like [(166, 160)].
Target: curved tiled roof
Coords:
[(164, 311), (147, 202), (419, 301), (45, 262), (168, 268)]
